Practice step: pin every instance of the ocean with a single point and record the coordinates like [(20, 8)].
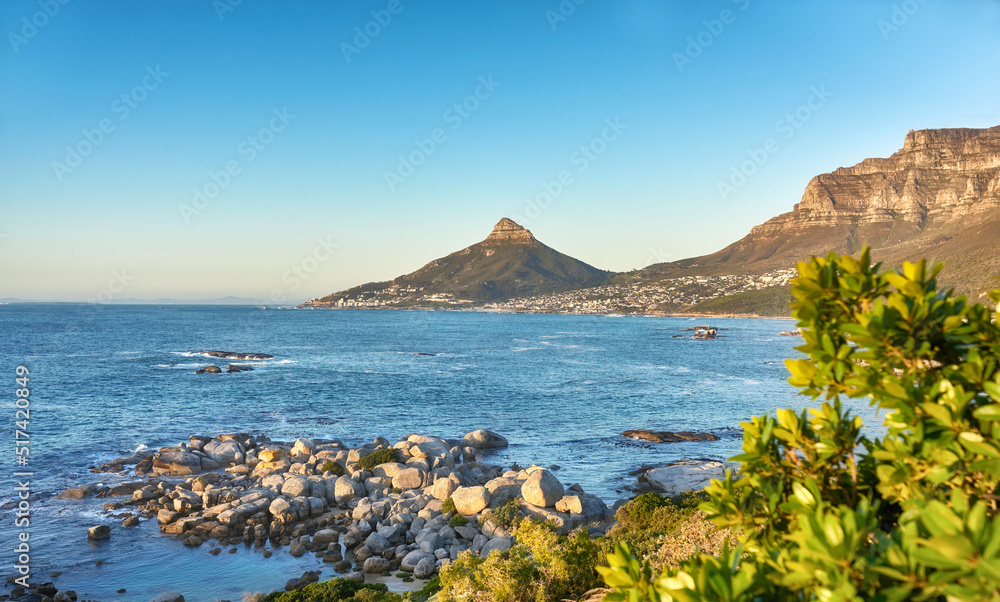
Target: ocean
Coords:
[(107, 380)]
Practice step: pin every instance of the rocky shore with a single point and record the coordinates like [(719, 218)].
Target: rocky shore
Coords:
[(379, 509)]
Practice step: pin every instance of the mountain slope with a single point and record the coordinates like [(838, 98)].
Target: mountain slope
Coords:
[(938, 197), (509, 263)]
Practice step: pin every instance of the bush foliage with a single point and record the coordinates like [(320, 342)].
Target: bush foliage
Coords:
[(336, 590), (335, 468), (664, 531), (379, 456), (823, 511), (540, 566)]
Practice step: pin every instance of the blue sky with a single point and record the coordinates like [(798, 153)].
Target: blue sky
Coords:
[(293, 120)]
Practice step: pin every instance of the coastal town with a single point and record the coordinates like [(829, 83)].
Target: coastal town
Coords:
[(639, 296)]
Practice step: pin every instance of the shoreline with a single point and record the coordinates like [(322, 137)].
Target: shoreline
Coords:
[(423, 502), (560, 313)]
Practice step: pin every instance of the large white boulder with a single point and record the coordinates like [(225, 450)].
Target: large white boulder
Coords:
[(685, 475), (542, 488)]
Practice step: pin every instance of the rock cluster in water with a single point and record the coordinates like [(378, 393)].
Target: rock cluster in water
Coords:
[(669, 437), (313, 497)]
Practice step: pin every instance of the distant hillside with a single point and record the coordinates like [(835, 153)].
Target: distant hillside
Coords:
[(938, 197), (509, 263)]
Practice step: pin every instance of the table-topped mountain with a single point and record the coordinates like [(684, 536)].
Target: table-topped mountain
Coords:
[(509, 263), (938, 197)]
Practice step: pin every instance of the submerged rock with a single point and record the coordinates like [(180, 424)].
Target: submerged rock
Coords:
[(176, 463), (99, 532), (669, 437), (235, 355), (484, 440)]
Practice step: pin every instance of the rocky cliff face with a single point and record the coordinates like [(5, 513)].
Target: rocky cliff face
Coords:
[(938, 175), (936, 198), (509, 231)]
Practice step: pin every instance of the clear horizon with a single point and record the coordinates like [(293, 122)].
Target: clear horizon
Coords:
[(196, 150)]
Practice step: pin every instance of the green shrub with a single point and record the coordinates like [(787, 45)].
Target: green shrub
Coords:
[(506, 515), (541, 567), (337, 590), (664, 531), (826, 513), (429, 589), (640, 509), (380, 456), (458, 521), (448, 506), (331, 466)]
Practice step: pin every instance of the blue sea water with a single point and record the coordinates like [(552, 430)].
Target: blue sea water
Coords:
[(108, 380)]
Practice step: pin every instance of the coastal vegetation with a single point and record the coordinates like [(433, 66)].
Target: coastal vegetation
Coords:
[(544, 566), (825, 512), (379, 456)]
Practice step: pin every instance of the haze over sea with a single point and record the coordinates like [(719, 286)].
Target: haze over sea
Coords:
[(107, 380)]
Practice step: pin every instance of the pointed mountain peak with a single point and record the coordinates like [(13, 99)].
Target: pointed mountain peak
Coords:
[(509, 231)]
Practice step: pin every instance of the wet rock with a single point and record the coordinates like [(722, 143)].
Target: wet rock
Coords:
[(176, 463), (484, 440), (234, 368), (77, 493), (669, 437), (168, 597), (296, 583), (342, 566), (209, 370), (99, 532), (375, 565), (235, 355)]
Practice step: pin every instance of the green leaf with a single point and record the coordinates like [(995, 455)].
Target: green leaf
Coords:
[(803, 495), (987, 412)]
